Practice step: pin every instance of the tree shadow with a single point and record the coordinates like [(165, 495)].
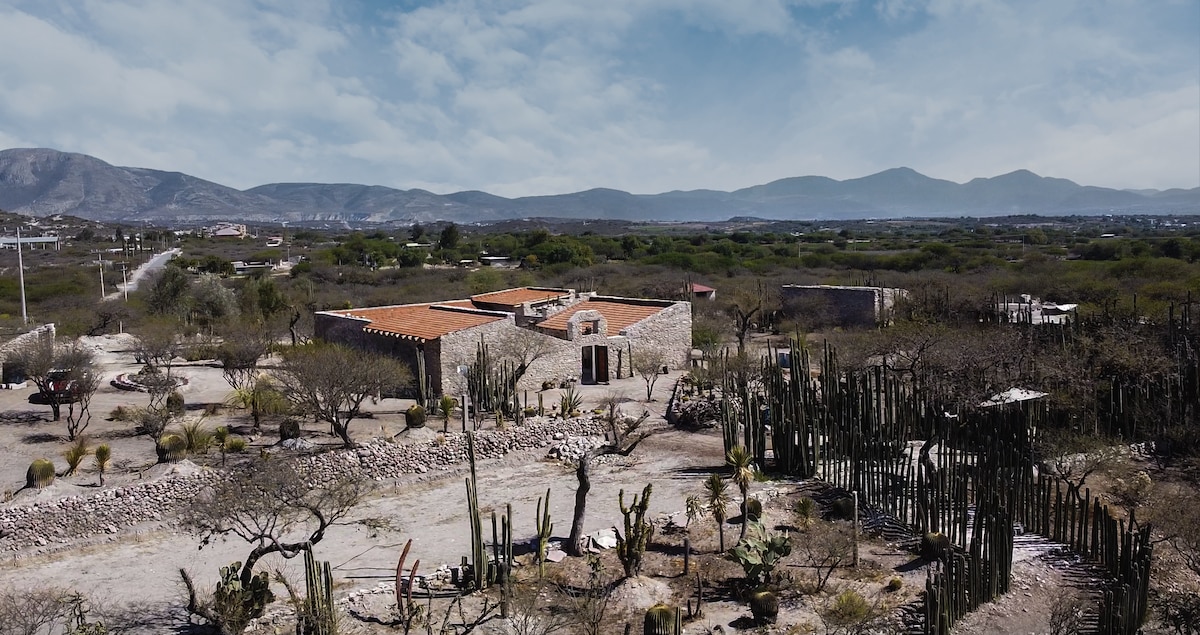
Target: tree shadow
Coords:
[(40, 437), (28, 417), (911, 565)]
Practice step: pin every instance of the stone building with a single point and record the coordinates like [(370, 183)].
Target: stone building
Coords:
[(840, 306), (555, 334)]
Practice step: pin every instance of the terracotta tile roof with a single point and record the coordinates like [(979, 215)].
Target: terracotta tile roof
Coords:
[(513, 297), (421, 321), (700, 288), (618, 314)]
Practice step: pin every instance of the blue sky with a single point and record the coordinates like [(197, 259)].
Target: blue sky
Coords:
[(551, 96)]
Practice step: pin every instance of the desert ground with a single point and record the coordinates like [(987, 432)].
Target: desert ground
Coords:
[(133, 572)]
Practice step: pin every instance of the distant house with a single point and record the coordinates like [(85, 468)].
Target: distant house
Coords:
[(1027, 309), (242, 268), (841, 305), (560, 334), (701, 292)]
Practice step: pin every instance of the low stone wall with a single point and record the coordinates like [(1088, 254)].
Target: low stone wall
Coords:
[(68, 519)]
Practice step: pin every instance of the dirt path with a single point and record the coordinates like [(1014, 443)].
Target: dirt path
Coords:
[(1045, 577)]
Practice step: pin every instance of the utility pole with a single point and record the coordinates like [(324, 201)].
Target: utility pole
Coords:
[(125, 281), (101, 253), (21, 274)]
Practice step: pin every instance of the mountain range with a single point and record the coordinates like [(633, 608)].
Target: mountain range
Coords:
[(44, 182)]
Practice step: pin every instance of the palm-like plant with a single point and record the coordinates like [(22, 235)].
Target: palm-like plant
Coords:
[(743, 473), (718, 501), (446, 405), (101, 457)]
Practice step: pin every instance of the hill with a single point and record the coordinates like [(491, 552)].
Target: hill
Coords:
[(44, 182)]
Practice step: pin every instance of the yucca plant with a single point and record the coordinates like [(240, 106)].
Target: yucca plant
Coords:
[(75, 454), (101, 458), (221, 438), (446, 406), (742, 463), (718, 501)]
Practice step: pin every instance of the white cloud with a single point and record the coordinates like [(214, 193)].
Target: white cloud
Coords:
[(543, 96)]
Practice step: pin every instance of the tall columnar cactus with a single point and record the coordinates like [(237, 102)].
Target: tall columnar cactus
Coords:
[(502, 556), (422, 380), (319, 614), (662, 620), (40, 473), (479, 558), (631, 545), (544, 529)]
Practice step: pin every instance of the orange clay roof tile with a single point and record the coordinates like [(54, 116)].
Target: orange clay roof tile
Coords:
[(513, 297), (421, 321), (619, 315)]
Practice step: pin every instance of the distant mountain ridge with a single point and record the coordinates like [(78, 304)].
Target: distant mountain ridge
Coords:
[(42, 182)]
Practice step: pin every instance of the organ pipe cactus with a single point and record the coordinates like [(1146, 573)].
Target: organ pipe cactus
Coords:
[(319, 615), (40, 473), (544, 529), (631, 545)]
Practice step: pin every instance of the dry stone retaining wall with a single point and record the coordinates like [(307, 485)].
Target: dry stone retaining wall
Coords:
[(64, 520)]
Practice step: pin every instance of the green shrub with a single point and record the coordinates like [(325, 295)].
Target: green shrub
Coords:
[(121, 413), (171, 448), (414, 417), (235, 445), (848, 608), (40, 473), (212, 409), (196, 438)]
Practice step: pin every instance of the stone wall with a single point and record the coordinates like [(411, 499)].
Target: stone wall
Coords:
[(668, 332), (49, 523), (842, 306)]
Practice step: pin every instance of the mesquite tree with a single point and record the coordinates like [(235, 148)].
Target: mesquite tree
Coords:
[(622, 438), (55, 368), (331, 382)]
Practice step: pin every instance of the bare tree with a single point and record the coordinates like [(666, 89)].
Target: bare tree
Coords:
[(523, 349), (83, 382), (157, 344), (331, 382), (1074, 457), (239, 353), (623, 436), (274, 509), (748, 306), (51, 366), (824, 547), (648, 365)]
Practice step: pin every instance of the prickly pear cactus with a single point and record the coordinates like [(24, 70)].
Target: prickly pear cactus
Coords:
[(40, 473), (237, 604)]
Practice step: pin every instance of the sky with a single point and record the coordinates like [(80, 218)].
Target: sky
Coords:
[(552, 96)]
